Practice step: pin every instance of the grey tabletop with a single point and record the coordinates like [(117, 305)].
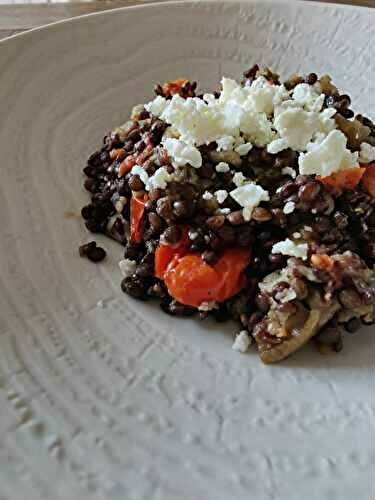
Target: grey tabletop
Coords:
[(16, 17)]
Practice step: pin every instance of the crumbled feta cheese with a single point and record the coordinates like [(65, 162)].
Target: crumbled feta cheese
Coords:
[(242, 342), (207, 196), (221, 195), (208, 306), (127, 267), (225, 143), (289, 171), (297, 127), (182, 153), (209, 98), (222, 167), (367, 153), (243, 149), (247, 212), (257, 128), (288, 247), (308, 96), (249, 194), (289, 207), (159, 180), (157, 106), (307, 228), (193, 235), (238, 179), (297, 235), (276, 146), (143, 175), (224, 211), (262, 114), (328, 156)]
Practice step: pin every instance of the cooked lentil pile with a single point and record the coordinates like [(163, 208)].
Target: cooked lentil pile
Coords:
[(254, 203)]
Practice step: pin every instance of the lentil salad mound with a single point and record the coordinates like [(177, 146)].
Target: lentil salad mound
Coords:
[(254, 203)]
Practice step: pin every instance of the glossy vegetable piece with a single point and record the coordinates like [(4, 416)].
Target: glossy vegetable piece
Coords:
[(126, 165), (174, 86), (137, 210), (165, 253), (192, 281), (304, 328), (368, 179), (343, 179)]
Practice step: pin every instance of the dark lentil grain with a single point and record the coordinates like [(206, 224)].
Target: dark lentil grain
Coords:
[(171, 235), (353, 325), (135, 183), (236, 218)]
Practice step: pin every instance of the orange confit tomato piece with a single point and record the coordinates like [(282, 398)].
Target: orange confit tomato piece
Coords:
[(368, 179), (174, 86), (192, 281), (165, 254), (343, 179), (137, 210), (126, 165)]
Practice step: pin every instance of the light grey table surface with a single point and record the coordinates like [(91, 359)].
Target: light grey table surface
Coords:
[(16, 17)]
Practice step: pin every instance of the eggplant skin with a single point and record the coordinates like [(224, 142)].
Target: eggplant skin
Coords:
[(316, 319)]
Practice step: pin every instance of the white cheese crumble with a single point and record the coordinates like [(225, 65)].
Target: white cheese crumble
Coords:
[(289, 171), (242, 342), (157, 106), (222, 167), (238, 179), (207, 195), (249, 194), (208, 306), (309, 96), (289, 207), (297, 235), (238, 110), (288, 247), (307, 228), (261, 114), (159, 179), (247, 212), (276, 146), (127, 267), (141, 172), (328, 156), (243, 149), (224, 211), (367, 153), (221, 195), (297, 127), (182, 153), (225, 143)]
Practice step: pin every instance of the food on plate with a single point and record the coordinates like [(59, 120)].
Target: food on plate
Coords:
[(255, 202)]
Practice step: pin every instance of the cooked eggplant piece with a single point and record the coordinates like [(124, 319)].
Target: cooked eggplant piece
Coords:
[(300, 328)]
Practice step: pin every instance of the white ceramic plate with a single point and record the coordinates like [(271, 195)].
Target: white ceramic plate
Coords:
[(102, 397)]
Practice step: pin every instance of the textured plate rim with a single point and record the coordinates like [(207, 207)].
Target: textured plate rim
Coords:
[(296, 3)]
